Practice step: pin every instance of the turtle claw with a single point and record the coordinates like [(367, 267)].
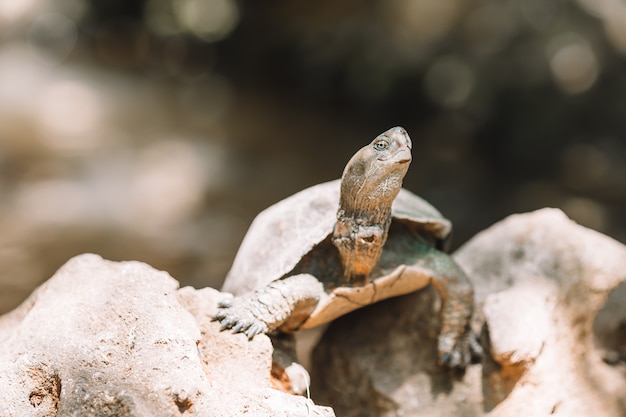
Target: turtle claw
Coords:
[(226, 323), (227, 303), (234, 315), (458, 352), (239, 327), (255, 329), (476, 349), (217, 317), (453, 360)]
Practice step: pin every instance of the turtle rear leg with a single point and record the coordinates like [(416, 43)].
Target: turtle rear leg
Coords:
[(457, 345), (281, 305)]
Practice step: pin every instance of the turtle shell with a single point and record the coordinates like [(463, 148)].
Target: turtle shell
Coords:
[(282, 234)]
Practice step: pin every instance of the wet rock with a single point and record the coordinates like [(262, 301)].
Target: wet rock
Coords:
[(103, 338), (540, 281)]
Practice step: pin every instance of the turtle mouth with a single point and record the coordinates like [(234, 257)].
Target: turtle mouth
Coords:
[(404, 156)]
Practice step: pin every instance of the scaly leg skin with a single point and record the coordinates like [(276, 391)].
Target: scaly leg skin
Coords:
[(457, 344), (283, 304)]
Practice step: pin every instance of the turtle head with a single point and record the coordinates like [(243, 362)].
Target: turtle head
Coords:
[(380, 163), (371, 181)]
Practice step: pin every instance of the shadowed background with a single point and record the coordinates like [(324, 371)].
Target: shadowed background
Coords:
[(155, 130)]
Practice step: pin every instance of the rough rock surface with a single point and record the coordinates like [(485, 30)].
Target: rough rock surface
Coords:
[(104, 338), (540, 281)]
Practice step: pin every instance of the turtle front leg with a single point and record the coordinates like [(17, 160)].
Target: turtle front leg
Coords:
[(281, 305), (457, 345)]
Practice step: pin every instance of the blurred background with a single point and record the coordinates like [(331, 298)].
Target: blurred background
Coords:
[(155, 130)]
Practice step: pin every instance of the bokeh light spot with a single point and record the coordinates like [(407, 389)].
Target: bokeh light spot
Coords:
[(69, 112), (160, 18), (573, 63), (422, 21), (613, 14), (210, 20), (615, 28), (12, 10), (52, 37)]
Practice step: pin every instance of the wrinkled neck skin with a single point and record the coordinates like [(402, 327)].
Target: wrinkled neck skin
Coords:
[(364, 216)]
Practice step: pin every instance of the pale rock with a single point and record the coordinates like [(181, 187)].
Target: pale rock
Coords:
[(518, 321), (121, 339)]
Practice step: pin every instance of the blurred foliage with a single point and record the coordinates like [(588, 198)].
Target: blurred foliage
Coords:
[(157, 129)]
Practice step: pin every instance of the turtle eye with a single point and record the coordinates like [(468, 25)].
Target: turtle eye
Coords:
[(380, 145)]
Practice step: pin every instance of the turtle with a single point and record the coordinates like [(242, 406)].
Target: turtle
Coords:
[(345, 244)]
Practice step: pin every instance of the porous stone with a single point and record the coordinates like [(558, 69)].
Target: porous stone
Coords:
[(121, 339)]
